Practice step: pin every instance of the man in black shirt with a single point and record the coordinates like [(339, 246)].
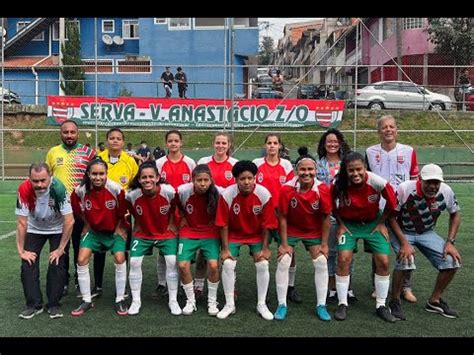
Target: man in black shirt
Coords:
[(182, 81), (167, 79)]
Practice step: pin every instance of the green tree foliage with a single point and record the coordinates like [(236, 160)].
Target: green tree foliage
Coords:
[(72, 71), (266, 50)]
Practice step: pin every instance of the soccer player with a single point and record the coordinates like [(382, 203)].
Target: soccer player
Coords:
[(304, 215), (151, 203), (396, 163), (68, 162), (356, 194), (101, 203), (272, 173), (420, 203), (198, 205), (44, 214), (245, 213)]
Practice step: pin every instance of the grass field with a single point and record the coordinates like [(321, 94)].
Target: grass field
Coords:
[(155, 320)]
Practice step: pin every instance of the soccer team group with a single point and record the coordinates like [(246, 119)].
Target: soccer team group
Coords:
[(205, 213)]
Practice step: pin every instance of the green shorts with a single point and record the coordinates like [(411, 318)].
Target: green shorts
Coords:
[(234, 248), (273, 235), (141, 247), (188, 247), (360, 230), (101, 242), (292, 241)]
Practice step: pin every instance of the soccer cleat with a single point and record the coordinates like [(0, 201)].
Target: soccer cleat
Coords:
[(30, 312), (351, 297), (281, 312), (96, 292), (263, 310), (341, 312), (442, 308), (212, 309), (408, 296), (322, 313), (175, 309), (121, 308), (226, 311), (332, 296), (293, 295), (83, 308), (384, 313), (396, 309), (55, 312), (134, 308), (160, 291), (189, 308)]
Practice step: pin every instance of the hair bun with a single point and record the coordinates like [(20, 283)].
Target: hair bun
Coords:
[(303, 150)]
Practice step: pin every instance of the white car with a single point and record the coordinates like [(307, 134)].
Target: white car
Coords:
[(9, 97), (401, 95)]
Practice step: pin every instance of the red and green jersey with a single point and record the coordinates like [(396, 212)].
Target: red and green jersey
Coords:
[(273, 177), (178, 173), (304, 210), (221, 172), (69, 166)]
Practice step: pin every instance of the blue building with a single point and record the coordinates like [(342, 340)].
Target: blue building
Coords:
[(126, 56)]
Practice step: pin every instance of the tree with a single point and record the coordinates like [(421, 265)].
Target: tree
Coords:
[(72, 71), (266, 50)]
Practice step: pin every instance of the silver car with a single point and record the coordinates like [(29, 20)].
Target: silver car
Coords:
[(401, 95), (9, 97)]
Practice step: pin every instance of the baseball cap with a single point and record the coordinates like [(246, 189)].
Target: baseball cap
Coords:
[(431, 172)]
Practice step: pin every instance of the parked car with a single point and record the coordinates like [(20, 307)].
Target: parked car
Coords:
[(400, 95), (9, 97), (312, 91), (264, 82), (266, 93)]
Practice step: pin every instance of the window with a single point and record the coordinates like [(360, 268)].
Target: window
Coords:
[(412, 22), (160, 21), (22, 24), (103, 65), (130, 65), (388, 27), (206, 22), (180, 23), (130, 29), (108, 26), (56, 29)]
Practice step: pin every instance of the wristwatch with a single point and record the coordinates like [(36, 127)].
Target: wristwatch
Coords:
[(452, 241)]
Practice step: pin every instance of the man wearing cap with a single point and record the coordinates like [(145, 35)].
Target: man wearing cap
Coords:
[(420, 203), (167, 79)]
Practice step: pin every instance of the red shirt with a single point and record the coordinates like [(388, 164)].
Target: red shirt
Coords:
[(152, 214), (304, 211), (361, 203), (177, 173), (273, 177), (246, 215), (102, 208), (221, 172)]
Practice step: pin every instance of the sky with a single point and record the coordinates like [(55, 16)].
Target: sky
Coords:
[(275, 25)]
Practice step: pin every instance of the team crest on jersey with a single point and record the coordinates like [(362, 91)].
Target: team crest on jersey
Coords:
[(110, 204), (59, 161), (315, 205), (189, 208), (228, 174), (164, 209), (123, 180), (260, 178), (236, 208), (88, 205), (282, 179), (293, 202), (373, 198), (400, 159), (186, 178), (139, 210), (257, 209)]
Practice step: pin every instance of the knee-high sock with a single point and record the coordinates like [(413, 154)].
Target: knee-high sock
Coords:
[(342, 285), (228, 280), (161, 270), (212, 291), (281, 278), (84, 279), (189, 291), (321, 278), (172, 277), (120, 280), (263, 279), (382, 283), (292, 276), (135, 277)]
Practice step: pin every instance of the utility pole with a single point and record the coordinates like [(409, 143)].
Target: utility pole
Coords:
[(62, 35)]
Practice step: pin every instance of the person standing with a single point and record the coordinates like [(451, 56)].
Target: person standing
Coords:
[(144, 153), (464, 84), (182, 81), (167, 79), (277, 81), (44, 214), (68, 162), (396, 163)]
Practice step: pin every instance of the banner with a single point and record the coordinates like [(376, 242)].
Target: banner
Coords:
[(194, 113)]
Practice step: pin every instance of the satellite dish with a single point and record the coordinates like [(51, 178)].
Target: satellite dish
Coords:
[(118, 40), (107, 39)]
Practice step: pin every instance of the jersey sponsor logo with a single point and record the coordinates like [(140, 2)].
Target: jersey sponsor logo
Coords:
[(315, 205), (228, 174), (110, 204), (293, 202), (164, 209), (282, 179), (139, 210), (257, 209), (373, 198), (59, 161), (400, 159), (189, 208), (88, 205), (186, 178), (123, 180), (236, 208), (260, 177)]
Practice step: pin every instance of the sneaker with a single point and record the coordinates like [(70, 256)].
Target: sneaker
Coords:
[(212, 309), (281, 312), (384, 313), (351, 297), (263, 310), (160, 291), (134, 308), (189, 308), (96, 292), (409, 296), (121, 308), (226, 311), (395, 307), (55, 312), (83, 308), (374, 295), (293, 295), (341, 312), (322, 313), (442, 308), (30, 312), (175, 308)]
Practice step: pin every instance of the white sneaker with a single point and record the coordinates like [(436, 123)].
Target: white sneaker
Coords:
[(189, 308), (175, 308), (262, 309), (134, 308), (226, 311), (212, 309)]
